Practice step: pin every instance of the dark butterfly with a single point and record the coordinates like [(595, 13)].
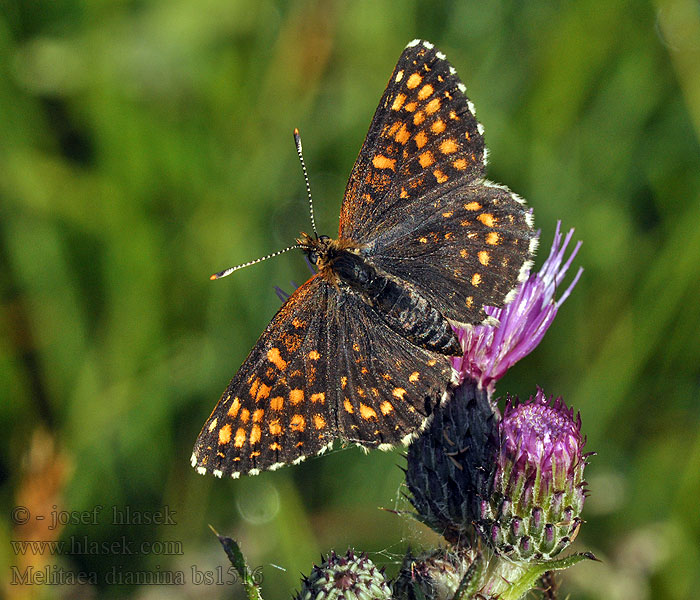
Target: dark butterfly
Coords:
[(361, 350)]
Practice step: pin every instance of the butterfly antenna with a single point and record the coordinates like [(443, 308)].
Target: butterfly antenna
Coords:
[(230, 270), (297, 142)]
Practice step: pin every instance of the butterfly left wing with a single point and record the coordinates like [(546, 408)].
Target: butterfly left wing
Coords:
[(275, 409)]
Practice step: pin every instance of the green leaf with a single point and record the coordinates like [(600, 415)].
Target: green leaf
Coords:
[(238, 561), (533, 572)]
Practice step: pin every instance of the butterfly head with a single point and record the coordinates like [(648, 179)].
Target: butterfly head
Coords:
[(322, 251), (317, 249)]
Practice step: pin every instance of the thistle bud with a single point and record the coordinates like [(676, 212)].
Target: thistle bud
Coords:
[(436, 575), (450, 466), (348, 577), (538, 489)]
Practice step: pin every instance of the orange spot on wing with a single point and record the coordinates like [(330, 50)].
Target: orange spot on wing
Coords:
[(398, 101), (275, 446), (313, 355), (419, 117), (476, 279), (382, 162), (367, 412), (411, 106), (421, 139), (463, 253), (277, 403), (425, 92), (472, 205), (402, 135), (484, 257), (225, 434), (274, 356), (320, 397), (440, 176), (319, 422), (255, 434), (275, 427), (245, 415), (239, 439), (413, 377), (448, 146), (386, 407), (432, 106), (469, 301), (487, 219), (212, 425), (426, 159), (254, 388), (398, 393), (297, 423), (460, 164), (492, 238), (348, 406), (296, 396), (258, 415), (413, 81), (438, 127), (263, 392)]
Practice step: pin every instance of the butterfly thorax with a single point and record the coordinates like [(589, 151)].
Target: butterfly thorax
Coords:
[(403, 308)]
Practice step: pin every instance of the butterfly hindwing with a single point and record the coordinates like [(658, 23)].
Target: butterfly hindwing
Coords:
[(386, 385), (464, 250), (276, 409), (424, 139)]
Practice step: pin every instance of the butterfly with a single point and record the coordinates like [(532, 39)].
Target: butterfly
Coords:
[(361, 351)]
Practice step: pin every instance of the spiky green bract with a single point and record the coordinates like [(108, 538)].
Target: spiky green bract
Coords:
[(539, 490), (437, 575), (450, 466), (349, 577)]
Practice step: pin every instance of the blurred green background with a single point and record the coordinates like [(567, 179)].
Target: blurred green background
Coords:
[(145, 144)]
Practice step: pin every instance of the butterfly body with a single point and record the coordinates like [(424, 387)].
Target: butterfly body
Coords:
[(402, 307), (361, 350)]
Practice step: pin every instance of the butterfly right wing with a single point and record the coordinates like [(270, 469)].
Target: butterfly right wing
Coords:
[(275, 409), (423, 140), (385, 386)]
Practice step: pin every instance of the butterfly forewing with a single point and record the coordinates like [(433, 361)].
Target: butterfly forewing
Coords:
[(423, 139), (276, 409)]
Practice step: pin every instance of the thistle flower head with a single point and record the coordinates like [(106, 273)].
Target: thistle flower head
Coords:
[(348, 577), (538, 492), (541, 435), (490, 350)]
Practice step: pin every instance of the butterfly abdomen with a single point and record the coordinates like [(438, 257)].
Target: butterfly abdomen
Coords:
[(403, 309)]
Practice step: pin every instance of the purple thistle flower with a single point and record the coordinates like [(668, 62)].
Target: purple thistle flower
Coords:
[(489, 351), (538, 489)]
